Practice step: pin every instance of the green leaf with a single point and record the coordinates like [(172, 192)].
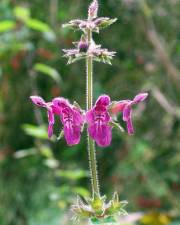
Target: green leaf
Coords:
[(25, 152), (37, 25), (47, 70), (7, 25), (81, 191), (46, 151), (35, 131), (73, 174), (51, 163), (22, 13)]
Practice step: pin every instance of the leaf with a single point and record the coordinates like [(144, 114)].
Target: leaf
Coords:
[(46, 151), (35, 131), (51, 163), (25, 152), (81, 191), (7, 25), (47, 70), (73, 174), (22, 13), (37, 25)]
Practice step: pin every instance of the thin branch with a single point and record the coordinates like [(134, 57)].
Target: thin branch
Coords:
[(164, 103), (53, 11), (157, 43)]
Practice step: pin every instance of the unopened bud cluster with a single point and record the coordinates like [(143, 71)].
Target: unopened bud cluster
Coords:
[(83, 48)]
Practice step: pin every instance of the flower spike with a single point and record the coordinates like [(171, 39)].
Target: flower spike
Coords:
[(100, 118)]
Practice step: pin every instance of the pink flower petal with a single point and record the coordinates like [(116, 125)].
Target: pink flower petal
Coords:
[(130, 127), (119, 106), (139, 98), (71, 118), (98, 119), (51, 122), (38, 101)]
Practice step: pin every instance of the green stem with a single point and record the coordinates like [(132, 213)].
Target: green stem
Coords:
[(89, 101)]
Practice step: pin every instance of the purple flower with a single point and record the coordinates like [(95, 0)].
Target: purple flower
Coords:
[(72, 120), (70, 116), (125, 106), (98, 120)]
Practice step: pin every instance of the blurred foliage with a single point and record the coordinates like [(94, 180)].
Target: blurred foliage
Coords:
[(40, 178)]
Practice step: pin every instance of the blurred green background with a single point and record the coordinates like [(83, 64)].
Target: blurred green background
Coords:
[(40, 178)]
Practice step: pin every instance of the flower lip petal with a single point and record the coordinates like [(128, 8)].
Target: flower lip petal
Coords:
[(98, 119), (127, 112), (71, 119), (51, 122), (130, 127)]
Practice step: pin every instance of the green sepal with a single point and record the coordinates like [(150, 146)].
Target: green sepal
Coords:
[(75, 59), (107, 220), (116, 125), (103, 60), (76, 104), (105, 22), (61, 135)]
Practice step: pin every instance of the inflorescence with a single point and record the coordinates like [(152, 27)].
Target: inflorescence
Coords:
[(100, 118)]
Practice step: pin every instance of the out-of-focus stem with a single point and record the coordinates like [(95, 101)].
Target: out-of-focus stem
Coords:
[(157, 43), (89, 102), (53, 9)]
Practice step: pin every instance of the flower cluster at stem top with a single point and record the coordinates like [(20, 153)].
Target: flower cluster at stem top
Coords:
[(100, 119), (85, 47)]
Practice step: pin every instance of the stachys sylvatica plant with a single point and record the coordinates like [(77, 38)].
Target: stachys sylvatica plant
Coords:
[(99, 117)]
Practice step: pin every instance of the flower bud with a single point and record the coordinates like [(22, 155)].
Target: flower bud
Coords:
[(93, 10), (82, 46)]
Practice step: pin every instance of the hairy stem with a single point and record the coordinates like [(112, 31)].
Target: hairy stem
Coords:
[(89, 102)]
